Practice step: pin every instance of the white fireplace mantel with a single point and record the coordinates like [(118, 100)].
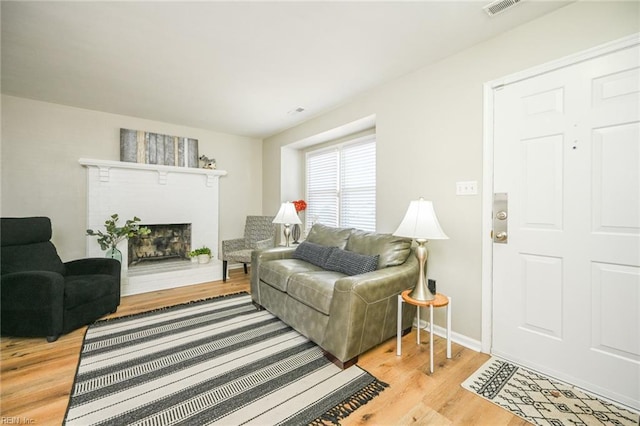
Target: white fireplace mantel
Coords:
[(157, 194), (105, 166)]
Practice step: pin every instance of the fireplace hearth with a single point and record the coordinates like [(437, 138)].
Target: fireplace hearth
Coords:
[(164, 242)]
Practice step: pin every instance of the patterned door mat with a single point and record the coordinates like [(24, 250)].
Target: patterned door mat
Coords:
[(543, 401)]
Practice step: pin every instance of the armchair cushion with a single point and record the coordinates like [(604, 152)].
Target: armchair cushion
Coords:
[(80, 289)]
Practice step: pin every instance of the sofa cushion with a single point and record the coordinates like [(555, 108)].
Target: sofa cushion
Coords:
[(329, 236), (393, 251), (313, 253), (314, 289), (351, 263), (276, 273)]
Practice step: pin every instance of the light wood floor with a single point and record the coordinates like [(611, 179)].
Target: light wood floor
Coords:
[(36, 376)]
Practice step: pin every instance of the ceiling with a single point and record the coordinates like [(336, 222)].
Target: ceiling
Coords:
[(234, 67)]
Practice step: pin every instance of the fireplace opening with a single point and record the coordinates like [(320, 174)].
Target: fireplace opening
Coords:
[(165, 242)]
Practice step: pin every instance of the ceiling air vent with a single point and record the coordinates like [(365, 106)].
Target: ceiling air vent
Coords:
[(499, 6)]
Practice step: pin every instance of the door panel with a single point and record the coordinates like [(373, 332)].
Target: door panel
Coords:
[(610, 280), (566, 286), (542, 285), (616, 179), (542, 198)]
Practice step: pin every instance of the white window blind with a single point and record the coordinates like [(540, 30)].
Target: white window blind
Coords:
[(341, 185), (322, 188)]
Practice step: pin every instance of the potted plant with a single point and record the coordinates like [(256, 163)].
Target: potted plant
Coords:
[(203, 254), (109, 239)]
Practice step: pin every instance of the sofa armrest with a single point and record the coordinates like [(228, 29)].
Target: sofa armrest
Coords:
[(364, 309), (259, 256)]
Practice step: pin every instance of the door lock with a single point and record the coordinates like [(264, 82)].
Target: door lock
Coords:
[(499, 234)]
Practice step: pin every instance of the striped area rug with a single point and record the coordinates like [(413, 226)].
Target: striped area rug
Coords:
[(216, 361)]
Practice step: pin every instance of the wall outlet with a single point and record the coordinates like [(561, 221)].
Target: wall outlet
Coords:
[(467, 188)]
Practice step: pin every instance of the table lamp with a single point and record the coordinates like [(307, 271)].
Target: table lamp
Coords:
[(287, 216), (421, 224)]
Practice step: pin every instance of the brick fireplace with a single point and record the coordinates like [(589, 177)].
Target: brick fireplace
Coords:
[(175, 202)]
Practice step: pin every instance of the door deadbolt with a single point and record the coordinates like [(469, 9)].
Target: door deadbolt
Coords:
[(500, 224)]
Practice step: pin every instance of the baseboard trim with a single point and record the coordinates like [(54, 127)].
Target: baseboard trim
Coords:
[(460, 339)]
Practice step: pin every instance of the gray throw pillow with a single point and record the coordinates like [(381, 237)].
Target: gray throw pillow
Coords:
[(351, 263), (316, 254)]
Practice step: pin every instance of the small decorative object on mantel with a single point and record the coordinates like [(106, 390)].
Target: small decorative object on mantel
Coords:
[(208, 163), (137, 146), (203, 254), (300, 205), (114, 234)]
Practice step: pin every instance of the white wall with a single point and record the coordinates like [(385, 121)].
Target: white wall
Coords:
[(429, 135), (41, 145)]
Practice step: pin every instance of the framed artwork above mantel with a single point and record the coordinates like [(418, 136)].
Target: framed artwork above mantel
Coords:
[(138, 146)]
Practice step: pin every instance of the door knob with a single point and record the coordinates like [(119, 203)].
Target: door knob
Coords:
[(501, 236)]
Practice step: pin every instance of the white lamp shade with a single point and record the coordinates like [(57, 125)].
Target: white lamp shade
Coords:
[(420, 222), (287, 215)]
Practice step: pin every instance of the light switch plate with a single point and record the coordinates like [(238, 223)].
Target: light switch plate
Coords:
[(467, 188)]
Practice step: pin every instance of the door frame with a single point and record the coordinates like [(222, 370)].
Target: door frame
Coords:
[(487, 163)]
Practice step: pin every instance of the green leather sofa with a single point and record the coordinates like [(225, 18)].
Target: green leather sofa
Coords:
[(321, 290)]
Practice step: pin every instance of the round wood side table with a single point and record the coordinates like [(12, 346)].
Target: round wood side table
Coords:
[(439, 301)]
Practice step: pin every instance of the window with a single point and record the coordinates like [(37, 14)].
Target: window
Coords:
[(341, 185)]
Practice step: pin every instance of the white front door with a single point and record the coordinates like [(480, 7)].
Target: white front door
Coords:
[(566, 284)]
